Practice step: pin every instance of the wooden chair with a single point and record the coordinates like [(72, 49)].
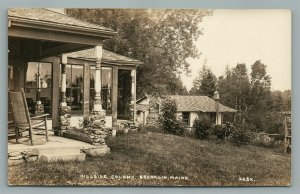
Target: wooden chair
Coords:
[(22, 120)]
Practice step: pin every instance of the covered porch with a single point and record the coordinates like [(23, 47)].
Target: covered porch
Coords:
[(60, 63)]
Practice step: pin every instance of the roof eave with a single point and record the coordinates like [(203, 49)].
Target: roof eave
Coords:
[(133, 63), (15, 21), (123, 62)]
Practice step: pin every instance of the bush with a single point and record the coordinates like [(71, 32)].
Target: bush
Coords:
[(222, 131), (240, 135), (202, 127), (169, 121)]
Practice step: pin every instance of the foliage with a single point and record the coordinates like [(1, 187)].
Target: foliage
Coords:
[(240, 135), (169, 121), (222, 131), (161, 38), (162, 154), (205, 83), (202, 127), (251, 95), (234, 88)]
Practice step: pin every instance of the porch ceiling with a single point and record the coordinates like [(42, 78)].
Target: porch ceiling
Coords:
[(52, 33), (33, 49)]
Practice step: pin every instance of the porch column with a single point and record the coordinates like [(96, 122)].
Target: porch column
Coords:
[(97, 100), (55, 93), (64, 109), (63, 101), (98, 131), (114, 102), (133, 95), (39, 108), (86, 90)]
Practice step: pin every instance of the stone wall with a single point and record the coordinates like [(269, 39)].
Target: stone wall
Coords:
[(64, 119), (17, 157), (93, 131)]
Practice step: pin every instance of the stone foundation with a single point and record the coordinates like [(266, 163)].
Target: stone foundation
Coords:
[(64, 120), (97, 130), (17, 157), (93, 131), (96, 150)]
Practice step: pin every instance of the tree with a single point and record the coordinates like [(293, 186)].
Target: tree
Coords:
[(162, 39), (234, 87), (169, 121), (257, 106), (205, 84), (260, 82)]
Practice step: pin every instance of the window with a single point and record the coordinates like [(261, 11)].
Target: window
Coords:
[(74, 92), (186, 118), (106, 85), (38, 79)]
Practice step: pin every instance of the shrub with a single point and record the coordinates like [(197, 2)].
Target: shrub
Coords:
[(169, 121), (222, 131), (202, 127), (240, 135)]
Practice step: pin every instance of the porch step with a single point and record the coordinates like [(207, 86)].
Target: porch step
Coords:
[(62, 157), (59, 150)]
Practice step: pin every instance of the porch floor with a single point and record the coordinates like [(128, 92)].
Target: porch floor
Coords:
[(57, 147), (41, 144)]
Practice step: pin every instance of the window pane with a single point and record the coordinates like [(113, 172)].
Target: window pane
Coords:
[(38, 79), (92, 77), (45, 75), (106, 100), (31, 74), (186, 118), (77, 76), (68, 75), (106, 77)]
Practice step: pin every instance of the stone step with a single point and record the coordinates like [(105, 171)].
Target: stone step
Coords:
[(60, 150), (62, 157)]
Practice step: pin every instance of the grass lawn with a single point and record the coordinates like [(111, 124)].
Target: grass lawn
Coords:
[(202, 162)]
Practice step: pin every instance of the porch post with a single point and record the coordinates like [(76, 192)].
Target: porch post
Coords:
[(97, 100), (98, 131), (114, 102), (39, 108), (55, 93), (86, 90), (64, 109), (63, 80), (133, 95)]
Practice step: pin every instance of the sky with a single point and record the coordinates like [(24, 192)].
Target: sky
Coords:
[(245, 36)]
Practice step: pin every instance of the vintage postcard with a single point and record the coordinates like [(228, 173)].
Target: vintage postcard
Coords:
[(149, 97)]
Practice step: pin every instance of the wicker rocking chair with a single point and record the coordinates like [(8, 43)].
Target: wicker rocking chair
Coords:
[(22, 120)]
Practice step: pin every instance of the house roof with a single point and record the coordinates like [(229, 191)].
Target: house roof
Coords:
[(48, 17), (142, 98), (198, 103), (107, 56)]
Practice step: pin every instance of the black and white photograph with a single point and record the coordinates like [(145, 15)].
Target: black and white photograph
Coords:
[(149, 97)]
